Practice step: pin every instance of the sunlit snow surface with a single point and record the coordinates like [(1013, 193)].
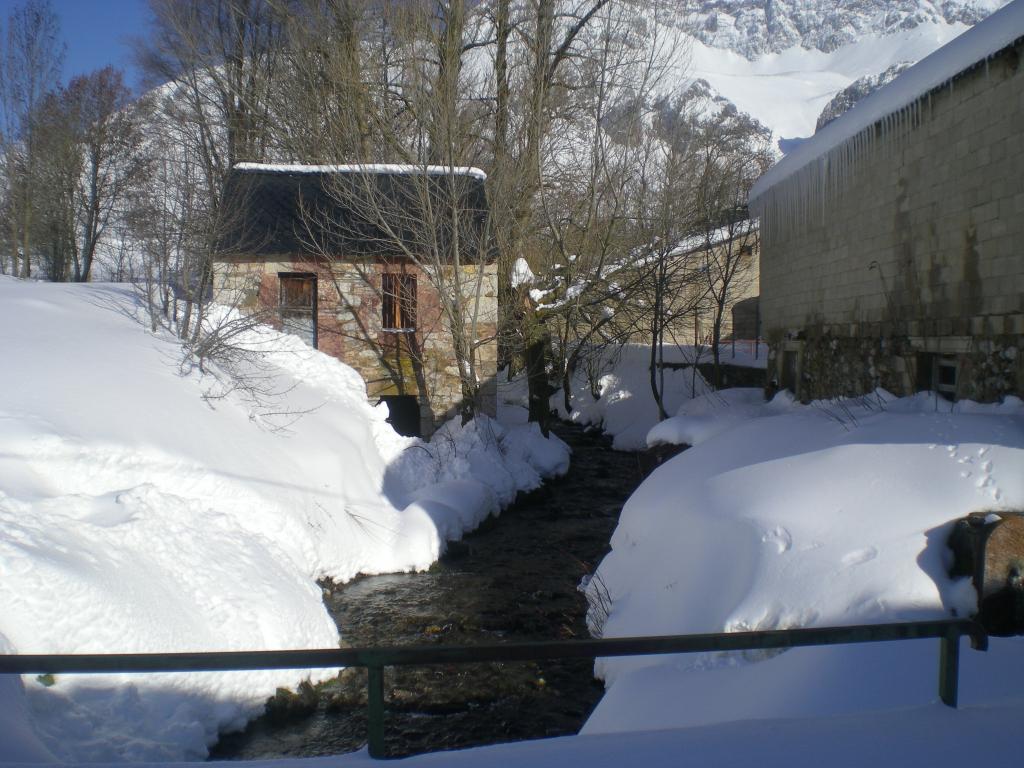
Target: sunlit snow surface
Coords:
[(146, 507), (785, 515)]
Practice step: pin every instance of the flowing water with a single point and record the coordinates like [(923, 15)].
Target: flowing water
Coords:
[(514, 579)]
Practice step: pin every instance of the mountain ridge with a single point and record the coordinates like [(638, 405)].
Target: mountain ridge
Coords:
[(753, 28)]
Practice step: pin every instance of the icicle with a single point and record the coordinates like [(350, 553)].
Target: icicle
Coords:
[(823, 185)]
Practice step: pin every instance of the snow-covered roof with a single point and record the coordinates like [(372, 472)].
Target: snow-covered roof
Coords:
[(977, 44), (393, 168)]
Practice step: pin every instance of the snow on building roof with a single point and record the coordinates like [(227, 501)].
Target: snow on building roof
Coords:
[(394, 168), (981, 42)]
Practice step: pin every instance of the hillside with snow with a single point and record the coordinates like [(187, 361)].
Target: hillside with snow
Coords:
[(146, 506), (782, 62)]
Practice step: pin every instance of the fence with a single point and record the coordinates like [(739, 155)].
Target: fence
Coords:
[(948, 631)]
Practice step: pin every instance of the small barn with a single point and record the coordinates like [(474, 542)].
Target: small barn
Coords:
[(382, 266), (893, 239)]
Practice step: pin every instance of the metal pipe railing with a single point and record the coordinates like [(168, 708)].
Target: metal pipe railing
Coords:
[(948, 631)]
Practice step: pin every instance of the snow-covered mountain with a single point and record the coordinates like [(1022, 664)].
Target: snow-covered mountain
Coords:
[(753, 28), (784, 61), (857, 90)]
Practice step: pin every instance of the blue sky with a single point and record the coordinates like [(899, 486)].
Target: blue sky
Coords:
[(96, 32)]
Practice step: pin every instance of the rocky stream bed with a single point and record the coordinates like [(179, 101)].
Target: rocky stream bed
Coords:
[(514, 579)]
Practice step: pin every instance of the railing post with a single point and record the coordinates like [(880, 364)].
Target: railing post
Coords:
[(375, 710), (949, 667)]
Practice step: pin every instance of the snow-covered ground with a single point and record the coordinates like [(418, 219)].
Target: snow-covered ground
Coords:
[(785, 515), (825, 514), (933, 736), (146, 507), (625, 406)]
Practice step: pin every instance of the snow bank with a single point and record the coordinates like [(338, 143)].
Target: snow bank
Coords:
[(830, 514), (625, 407), (714, 412), (935, 736), (147, 507)]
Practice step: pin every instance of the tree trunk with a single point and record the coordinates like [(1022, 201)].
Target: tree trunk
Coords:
[(537, 379)]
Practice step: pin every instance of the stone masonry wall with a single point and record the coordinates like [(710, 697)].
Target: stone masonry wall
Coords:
[(920, 251), (350, 320)]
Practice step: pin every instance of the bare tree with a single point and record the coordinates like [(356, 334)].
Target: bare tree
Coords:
[(733, 151), (214, 62), (57, 171), (29, 69)]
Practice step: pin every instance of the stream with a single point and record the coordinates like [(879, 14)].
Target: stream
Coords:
[(514, 579)]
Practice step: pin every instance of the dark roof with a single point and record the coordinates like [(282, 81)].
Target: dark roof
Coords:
[(346, 213)]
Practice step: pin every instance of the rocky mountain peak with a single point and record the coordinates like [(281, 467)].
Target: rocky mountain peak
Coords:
[(755, 27)]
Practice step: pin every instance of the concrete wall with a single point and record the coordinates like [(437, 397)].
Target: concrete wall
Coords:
[(920, 250), (350, 320)]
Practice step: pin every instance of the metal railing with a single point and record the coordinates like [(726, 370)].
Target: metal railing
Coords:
[(948, 631)]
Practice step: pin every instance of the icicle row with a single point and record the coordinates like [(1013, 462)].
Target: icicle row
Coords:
[(804, 198)]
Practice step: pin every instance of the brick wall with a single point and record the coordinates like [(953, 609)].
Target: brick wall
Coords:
[(918, 249), (350, 327)]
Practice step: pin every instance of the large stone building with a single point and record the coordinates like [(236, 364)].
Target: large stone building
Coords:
[(354, 260), (893, 239)]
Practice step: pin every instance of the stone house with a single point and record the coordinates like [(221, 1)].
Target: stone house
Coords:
[(893, 239), (353, 259), (696, 263)]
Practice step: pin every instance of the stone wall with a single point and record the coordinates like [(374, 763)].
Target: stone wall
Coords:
[(350, 326), (916, 255), (694, 309)]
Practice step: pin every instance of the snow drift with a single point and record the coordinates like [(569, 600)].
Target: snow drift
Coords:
[(147, 507), (787, 516)]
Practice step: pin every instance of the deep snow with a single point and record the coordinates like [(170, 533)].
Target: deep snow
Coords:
[(785, 515), (147, 507)]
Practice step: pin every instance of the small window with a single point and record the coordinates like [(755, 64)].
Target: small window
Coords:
[(946, 377), (937, 373), (297, 305), (399, 301)]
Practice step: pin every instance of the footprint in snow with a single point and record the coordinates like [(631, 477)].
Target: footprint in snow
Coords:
[(780, 537), (859, 557)]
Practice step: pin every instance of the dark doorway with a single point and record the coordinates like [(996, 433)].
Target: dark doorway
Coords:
[(405, 414), (789, 365)]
